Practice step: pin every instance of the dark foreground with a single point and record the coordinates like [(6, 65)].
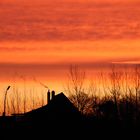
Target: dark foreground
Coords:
[(89, 128), (60, 119)]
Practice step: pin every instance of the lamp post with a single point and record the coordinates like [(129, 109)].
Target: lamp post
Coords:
[(4, 112)]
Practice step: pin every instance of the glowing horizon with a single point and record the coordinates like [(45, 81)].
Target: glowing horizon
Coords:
[(40, 37)]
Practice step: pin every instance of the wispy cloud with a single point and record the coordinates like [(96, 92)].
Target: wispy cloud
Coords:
[(83, 22)]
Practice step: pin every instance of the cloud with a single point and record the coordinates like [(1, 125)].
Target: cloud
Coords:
[(83, 22)]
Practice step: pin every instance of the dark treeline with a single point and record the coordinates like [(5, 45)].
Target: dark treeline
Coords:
[(116, 103), (110, 105)]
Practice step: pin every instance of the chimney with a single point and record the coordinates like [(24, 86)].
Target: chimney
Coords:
[(48, 96), (53, 94)]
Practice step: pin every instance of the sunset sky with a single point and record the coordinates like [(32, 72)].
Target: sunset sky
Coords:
[(41, 38)]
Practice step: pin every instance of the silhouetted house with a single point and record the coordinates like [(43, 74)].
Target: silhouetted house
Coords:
[(58, 112)]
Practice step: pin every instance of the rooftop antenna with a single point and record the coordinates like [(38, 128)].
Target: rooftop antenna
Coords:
[(41, 83), (48, 92), (4, 112)]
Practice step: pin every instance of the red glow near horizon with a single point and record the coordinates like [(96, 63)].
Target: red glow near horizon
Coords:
[(58, 34)]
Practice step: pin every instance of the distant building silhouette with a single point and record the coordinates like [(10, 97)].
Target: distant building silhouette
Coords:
[(58, 112)]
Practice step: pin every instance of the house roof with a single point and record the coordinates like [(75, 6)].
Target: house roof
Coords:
[(59, 107)]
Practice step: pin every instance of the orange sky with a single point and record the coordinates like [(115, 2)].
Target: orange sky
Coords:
[(70, 51), (41, 39), (56, 34), (33, 33)]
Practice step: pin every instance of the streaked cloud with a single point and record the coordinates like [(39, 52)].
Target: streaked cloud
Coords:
[(70, 22), (69, 51), (69, 32)]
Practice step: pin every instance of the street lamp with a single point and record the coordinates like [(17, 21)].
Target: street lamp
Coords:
[(4, 112)]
